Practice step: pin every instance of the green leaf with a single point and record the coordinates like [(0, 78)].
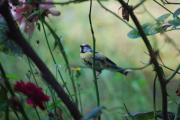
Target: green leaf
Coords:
[(133, 34), (175, 22), (176, 13), (142, 115), (54, 104), (13, 76), (94, 113), (163, 17), (148, 28)]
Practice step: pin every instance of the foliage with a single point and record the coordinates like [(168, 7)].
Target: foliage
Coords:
[(161, 25), (6, 44)]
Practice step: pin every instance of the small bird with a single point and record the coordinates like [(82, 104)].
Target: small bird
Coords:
[(101, 61)]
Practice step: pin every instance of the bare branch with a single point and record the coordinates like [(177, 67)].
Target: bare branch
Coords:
[(173, 74), (54, 3), (153, 57), (139, 4), (116, 15), (167, 2)]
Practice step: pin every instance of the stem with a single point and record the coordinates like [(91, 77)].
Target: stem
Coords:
[(31, 71), (154, 61), (37, 113), (154, 96), (80, 100), (56, 37), (64, 83), (16, 114), (17, 37), (8, 86), (178, 113), (94, 50)]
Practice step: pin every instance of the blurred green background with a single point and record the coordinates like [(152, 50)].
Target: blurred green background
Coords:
[(136, 89)]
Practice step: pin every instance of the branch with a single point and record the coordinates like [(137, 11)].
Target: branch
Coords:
[(139, 4), (173, 74), (169, 68), (116, 15), (139, 68), (154, 61), (167, 2), (54, 3), (17, 37)]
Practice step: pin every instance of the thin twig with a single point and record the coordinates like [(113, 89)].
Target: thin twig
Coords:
[(94, 50), (163, 7), (167, 2), (140, 68), (113, 13), (127, 111), (31, 72), (139, 4), (173, 74), (64, 83), (56, 37), (53, 3), (169, 68), (167, 38)]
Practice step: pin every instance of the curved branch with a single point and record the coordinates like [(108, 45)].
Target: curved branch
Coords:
[(153, 57), (140, 68), (173, 74), (110, 11)]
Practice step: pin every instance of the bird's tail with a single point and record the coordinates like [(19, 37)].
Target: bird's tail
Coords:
[(123, 71)]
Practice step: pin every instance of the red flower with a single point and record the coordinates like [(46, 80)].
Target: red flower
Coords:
[(178, 92), (35, 95)]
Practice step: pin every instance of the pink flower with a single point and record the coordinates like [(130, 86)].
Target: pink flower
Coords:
[(28, 14), (35, 95)]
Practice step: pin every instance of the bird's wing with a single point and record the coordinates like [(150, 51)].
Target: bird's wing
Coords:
[(104, 60), (101, 60)]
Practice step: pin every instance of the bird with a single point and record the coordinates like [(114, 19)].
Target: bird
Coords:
[(101, 61)]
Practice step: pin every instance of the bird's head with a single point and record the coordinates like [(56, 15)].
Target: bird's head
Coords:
[(85, 48)]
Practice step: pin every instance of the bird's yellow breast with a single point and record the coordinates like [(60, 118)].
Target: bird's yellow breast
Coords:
[(86, 56)]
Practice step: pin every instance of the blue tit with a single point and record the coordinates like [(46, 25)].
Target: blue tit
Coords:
[(101, 61)]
